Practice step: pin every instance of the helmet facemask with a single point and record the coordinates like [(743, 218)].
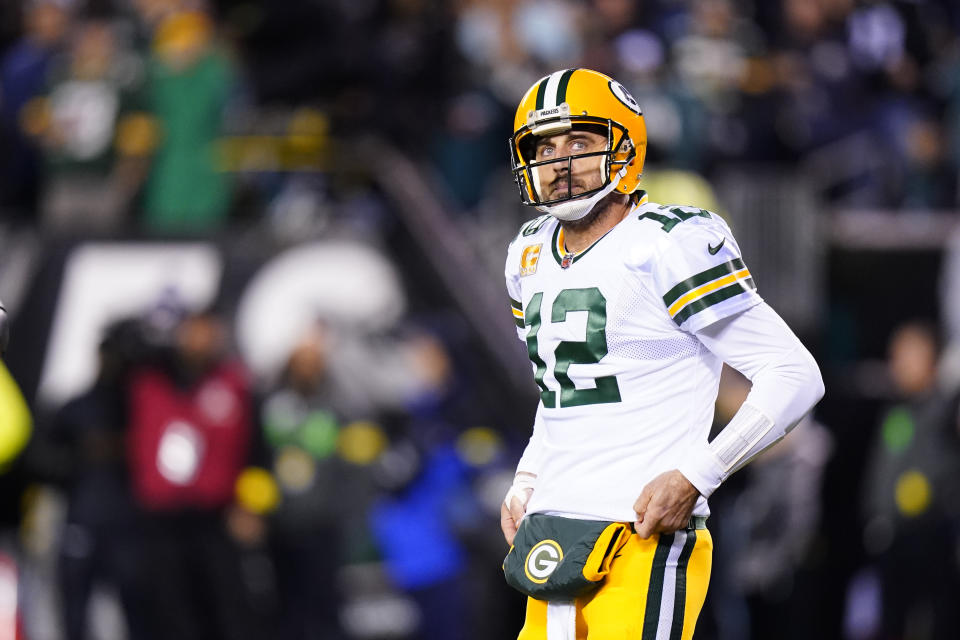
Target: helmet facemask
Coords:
[(527, 171)]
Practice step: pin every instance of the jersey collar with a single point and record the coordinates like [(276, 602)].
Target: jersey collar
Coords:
[(565, 259)]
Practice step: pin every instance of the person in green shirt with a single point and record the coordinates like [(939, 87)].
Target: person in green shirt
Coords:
[(188, 85)]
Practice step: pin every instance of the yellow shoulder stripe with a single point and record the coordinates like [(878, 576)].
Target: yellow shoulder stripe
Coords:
[(690, 296)]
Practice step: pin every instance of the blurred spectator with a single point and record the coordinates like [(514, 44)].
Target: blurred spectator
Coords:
[(152, 13), (808, 76), (413, 529), (511, 44), (612, 24), (711, 63), (771, 529), (23, 76), (101, 540), (911, 493), (929, 181), (427, 486), (414, 64), (468, 147), (301, 426), (190, 438), (94, 139), (189, 82), (712, 57)]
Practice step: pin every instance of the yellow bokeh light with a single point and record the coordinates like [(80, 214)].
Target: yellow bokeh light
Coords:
[(913, 493), (361, 442), (257, 491), (478, 446)]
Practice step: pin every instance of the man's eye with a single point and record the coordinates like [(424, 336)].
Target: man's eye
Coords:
[(546, 151), (578, 145)]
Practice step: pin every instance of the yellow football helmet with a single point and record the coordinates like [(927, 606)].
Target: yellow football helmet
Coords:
[(570, 99)]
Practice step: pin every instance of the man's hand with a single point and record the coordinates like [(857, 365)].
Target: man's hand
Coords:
[(665, 504), (514, 505)]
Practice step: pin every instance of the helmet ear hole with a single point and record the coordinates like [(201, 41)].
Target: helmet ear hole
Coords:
[(528, 147)]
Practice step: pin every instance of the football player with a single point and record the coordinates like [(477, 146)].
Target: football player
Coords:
[(628, 309)]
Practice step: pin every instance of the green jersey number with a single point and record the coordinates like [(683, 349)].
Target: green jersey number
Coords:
[(589, 351), (680, 214)]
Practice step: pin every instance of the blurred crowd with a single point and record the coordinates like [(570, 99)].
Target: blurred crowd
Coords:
[(198, 497), (151, 114), (103, 114), (862, 96), (213, 509)]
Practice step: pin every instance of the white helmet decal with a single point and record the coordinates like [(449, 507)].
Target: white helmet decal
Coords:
[(621, 93)]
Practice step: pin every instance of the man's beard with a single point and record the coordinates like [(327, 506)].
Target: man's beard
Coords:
[(598, 211)]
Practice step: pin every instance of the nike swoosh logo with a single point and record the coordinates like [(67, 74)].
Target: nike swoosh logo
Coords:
[(713, 249)]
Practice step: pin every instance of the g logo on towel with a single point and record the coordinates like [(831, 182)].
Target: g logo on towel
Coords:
[(542, 561)]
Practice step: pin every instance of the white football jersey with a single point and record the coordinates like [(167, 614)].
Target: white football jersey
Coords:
[(626, 387)]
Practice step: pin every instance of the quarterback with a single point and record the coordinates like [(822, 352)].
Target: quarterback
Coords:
[(628, 309)]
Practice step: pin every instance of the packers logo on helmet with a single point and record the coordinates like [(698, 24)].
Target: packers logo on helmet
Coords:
[(578, 99)]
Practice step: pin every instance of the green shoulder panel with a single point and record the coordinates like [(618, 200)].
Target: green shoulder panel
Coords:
[(531, 227)]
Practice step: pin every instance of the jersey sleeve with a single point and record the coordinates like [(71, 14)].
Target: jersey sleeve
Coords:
[(512, 275), (700, 275), (532, 458), (786, 384), (522, 256)]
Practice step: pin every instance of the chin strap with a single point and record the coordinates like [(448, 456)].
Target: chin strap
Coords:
[(578, 208)]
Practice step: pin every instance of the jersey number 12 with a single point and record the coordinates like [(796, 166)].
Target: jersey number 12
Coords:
[(589, 351)]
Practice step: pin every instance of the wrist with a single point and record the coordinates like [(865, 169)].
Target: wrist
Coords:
[(703, 470), (523, 485)]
